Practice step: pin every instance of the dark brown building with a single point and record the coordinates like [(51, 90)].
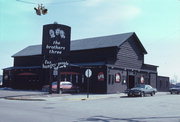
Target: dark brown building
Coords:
[(163, 83), (116, 61)]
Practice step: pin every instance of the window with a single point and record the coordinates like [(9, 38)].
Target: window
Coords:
[(113, 78), (82, 78), (109, 79), (71, 77), (76, 78)]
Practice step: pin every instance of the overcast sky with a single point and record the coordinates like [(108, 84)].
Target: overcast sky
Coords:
[(156, 23)]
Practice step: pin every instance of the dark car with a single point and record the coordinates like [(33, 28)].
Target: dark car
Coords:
[(141, 90), (65, 86), (175, 90)]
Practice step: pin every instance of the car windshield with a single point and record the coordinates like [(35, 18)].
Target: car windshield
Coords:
[(62, 83), (176, 86), (140, 86), (66, 83), (54, 83)]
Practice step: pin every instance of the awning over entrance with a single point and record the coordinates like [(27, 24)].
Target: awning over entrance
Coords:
[(71, 64), (32, 67), (89, 64)]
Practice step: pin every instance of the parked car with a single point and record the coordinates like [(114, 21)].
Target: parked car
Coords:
[(65, 86), (175, 90), (141, 90), (1, 81)]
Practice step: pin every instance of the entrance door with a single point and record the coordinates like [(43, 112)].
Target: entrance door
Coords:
[(131, 82)]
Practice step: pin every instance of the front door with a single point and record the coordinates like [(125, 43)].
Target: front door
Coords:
[(131, 82)]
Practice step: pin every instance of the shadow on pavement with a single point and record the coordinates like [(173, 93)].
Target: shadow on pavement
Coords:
[(138, 119), (5, 93)]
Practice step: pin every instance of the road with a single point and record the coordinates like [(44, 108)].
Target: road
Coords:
[(159, 108)]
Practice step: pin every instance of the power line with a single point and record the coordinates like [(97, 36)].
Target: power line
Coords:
[(26, 2), (41, 10), (53, 3)]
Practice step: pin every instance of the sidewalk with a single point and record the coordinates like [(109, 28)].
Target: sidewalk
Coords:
[(72, 97), (44, 96)]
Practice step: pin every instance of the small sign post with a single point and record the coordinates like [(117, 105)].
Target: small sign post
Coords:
[(88, 74), (55, 72)]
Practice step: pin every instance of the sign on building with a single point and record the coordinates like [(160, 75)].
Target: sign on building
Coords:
[(56, 45), (101, 76)]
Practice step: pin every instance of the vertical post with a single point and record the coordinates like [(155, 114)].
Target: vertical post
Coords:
[(50, 81), (58, 80), (127, 79), (87, 87), (88, 74)]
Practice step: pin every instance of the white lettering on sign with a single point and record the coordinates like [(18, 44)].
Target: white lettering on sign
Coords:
[(49, 64), (55, 47), (56, 42), (55, 52), (57, 32)]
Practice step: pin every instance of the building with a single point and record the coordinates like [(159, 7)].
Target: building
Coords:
[(163, 83), (116, 61)]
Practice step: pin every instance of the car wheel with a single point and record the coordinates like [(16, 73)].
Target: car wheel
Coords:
[(152, 93), (142, 94), (60, 91)]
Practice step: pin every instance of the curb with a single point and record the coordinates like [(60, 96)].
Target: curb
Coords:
[(24, 99)]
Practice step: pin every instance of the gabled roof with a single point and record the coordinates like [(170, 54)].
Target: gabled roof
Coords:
[(29, 51), (85, 44), (100, 42)]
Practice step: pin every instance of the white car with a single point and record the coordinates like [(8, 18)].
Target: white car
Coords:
[(65, 86)]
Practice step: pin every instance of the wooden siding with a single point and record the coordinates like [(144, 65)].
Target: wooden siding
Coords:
[(112, 85), (28, 61), (149, 67), (163, 83), (130, 55), (153, 79), (94, 55)]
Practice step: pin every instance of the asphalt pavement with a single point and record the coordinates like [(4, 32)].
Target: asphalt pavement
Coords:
[(36, 106), (11, 94)]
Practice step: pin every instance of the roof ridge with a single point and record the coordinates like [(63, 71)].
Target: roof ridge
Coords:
[(83, 44), (102, 36)]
